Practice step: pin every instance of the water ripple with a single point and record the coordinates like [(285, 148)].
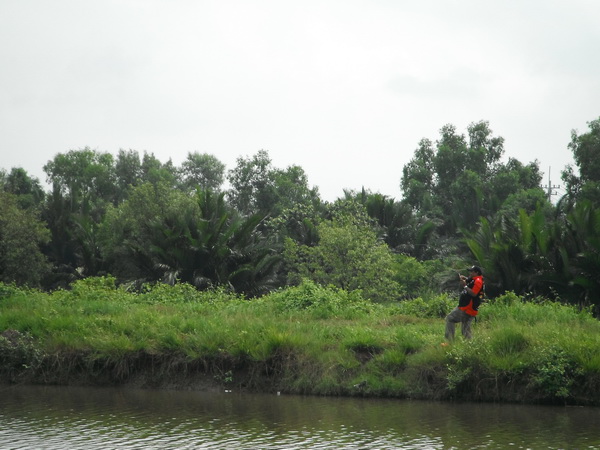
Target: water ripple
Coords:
[(86, 418)]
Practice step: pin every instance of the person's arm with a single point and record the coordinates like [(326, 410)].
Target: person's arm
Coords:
[(476, 286), (463, 282)]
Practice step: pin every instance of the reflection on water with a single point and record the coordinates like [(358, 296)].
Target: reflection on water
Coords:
[(93, 418)]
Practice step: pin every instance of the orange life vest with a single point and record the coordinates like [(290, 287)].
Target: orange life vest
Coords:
[(468, 303)]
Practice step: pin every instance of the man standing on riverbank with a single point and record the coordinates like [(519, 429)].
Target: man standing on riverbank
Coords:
[(468, 304)]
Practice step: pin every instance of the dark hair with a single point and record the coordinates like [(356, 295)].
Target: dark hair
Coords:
[(475, 269)]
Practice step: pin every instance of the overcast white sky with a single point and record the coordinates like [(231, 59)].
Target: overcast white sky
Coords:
[(343, 88)]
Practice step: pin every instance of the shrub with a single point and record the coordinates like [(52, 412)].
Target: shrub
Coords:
[(554, 372), (410, 275), (433, 307), (19, 353), (349, 256), (8, 290), (161, 293), (322, 302)]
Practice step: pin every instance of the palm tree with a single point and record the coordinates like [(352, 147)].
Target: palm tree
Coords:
[(213, 246), (581, 244), (513, 253)]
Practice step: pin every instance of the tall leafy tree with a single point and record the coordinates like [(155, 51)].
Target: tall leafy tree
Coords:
[(298, 222), (251, 182), (83, 186), (62, 248), (22, 234), (513, 178), (156, 172), (460, 179), (128, 173), (291, 188), (586, 153), (28, 189), (418, 177), (201, 170), (258, 187), (87, 250), (86, 177)]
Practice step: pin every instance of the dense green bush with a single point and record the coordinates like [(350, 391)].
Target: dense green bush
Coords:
[(349, 256), (19, 354), (324, 302)]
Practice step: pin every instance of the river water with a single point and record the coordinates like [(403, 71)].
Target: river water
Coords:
[(42, 417)]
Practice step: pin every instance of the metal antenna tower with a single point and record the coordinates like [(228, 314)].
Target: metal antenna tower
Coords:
[(550, 187)]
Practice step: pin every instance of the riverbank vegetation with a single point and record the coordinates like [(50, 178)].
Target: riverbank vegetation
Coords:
[(305, 339), (135, 270)]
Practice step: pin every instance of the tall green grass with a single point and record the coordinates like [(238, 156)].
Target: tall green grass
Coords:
[(305, 339)]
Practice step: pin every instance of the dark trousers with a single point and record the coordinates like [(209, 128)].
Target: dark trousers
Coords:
[(458, 316)]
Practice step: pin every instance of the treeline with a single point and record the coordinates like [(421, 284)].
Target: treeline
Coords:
[(142, 220)]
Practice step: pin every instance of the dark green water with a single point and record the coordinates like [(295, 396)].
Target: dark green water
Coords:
[(33, 417)]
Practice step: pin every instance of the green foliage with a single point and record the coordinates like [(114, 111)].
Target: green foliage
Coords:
[(325, 302), (518, 184), (514, 255), (299, 223), (157, 173), (126, 234), (138, 219), (93, 285), (510, 306), (252, 184), (457, 181), (409, 340), (258, 188), (460, 369), (349, 256), (533, 255), (580, 254), (448, 180), (19, 354), (291, 189), (393, 221), (202, 171), (22, 235), (363, 341), (128, 173), (509, 342), (585, 148), (82, 174), (433, 307), (160, 293), (9, 290), (28, 191), (411, 275), (197, 240), (305, 339), (555, 372)]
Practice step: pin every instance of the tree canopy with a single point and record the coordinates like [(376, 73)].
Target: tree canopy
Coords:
[(143, 220)]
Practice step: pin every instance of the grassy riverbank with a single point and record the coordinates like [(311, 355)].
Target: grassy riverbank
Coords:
[(305, 340)]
